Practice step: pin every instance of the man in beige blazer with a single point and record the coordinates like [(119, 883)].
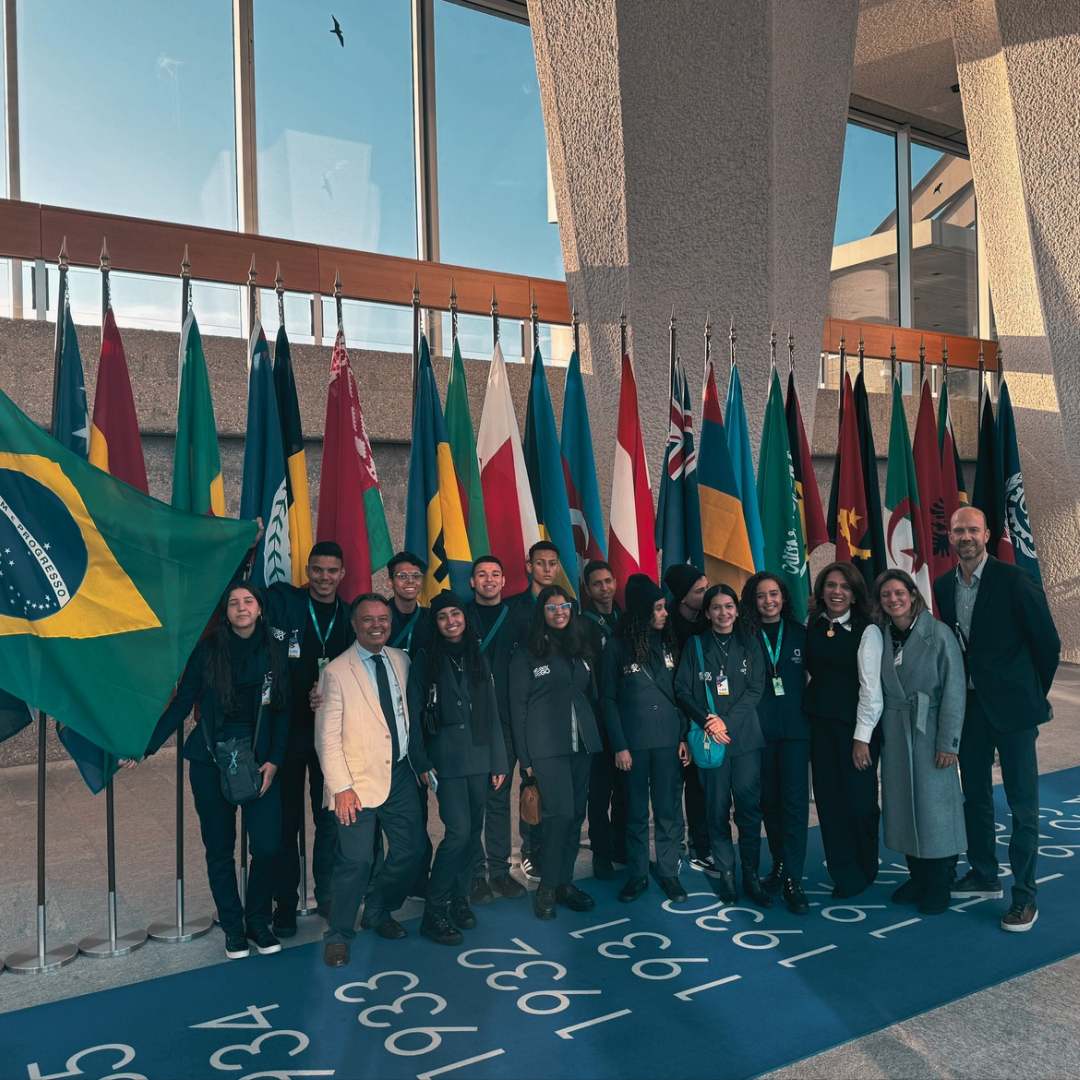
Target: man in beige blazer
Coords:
[(362, 738)]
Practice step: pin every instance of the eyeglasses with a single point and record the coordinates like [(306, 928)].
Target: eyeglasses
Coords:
[(404, 575), (554, 609)]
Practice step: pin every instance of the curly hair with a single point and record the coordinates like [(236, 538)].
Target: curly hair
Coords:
[(573, 642), (634, 630), (219, 672), (748, 612), (475, 661)]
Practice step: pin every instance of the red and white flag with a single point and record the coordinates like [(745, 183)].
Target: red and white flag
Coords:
[(632, 536), (508, 502)]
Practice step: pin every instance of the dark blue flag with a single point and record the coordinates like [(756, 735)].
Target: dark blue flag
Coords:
[(72, 425), (1011, 500), (678, 512)]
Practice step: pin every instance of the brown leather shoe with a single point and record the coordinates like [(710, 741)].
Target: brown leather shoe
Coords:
[(391, 929), (336, 953)]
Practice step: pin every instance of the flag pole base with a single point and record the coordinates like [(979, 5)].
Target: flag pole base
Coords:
[(173, 934), (305, 911), (31, 962), (103, 947)]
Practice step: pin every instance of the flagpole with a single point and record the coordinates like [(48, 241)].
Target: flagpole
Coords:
[(41, 958), (944, 358), (279, 288), (672, 351), (772, 347), (862, 354), (453, 311), (576, 325), (790, 351), (892, 362), (731, 342), (338, 311), (494, 318), (922, 360), (415, 334), (843, 376), (1000, 371), (253, 296), (106, 287), (708, 353), (982, 378), (622, 331), (535, 323), (185, 289)]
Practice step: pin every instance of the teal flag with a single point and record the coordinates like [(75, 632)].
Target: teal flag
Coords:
[(105, 590), (742, 461)]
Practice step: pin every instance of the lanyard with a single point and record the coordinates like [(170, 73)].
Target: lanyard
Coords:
[(494, 630), (323, 639), (774, 657), (701, 668), (601, 622), (407, 631)]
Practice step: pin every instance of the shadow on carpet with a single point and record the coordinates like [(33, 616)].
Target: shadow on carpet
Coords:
[(649, 989)]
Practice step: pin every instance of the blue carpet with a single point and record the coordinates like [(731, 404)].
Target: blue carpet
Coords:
[(628, 991)]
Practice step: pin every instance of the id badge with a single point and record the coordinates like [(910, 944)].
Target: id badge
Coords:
[(898, 659), (323, 661), (669, 661), (294, 647), (267, 685), (777, 686), (722, 686)]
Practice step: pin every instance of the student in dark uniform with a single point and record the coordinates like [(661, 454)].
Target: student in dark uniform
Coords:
[(555, 735), (543, 568), (719, 683), (687, 585), (766, 614), (645, 728), (240, 679), (313, 625), (490, 618), (410, 630), (458, 751), (607, 790), (843, 701)]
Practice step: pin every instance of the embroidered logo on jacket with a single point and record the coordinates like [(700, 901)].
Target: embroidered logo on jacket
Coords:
[(279, 635), (543, 669)]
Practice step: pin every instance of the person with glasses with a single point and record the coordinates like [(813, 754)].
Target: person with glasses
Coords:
[(456, 747), (766, 613), (645, 727), (719, 683), (552, 690)]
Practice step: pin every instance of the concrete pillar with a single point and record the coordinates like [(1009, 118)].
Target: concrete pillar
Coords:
[(1019, 69), (695, 155)]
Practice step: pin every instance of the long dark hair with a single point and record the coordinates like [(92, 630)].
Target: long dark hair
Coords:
[(634, 630), (474, 660), (572, 643), (749, 615), (860, 599), (218, 672), (738, 629)]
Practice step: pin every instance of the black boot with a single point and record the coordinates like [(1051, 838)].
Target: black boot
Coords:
[(462, 914), (437, 927), (544, 902), (755, 891), (936, 895), (725, 887), (911, 892), (795, 898), (774, 880)]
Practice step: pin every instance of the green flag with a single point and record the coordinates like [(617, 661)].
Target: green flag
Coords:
[(459, 429), (197, 482), (105, 590), (778, 499)]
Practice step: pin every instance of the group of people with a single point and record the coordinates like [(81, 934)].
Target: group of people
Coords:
[(367, 708)]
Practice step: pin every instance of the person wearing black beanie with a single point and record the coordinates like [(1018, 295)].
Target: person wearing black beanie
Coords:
[(637, 699)]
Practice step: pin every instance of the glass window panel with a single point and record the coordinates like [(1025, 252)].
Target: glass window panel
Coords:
[(493, 189), (3, 126), (127, 108), (5, 288), (474, 337), (943, 249), (863, 282), (297, 315), (334, 128), (383, 327)]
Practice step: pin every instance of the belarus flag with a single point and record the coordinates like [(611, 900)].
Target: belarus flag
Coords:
[(511, 517), (632, 539)]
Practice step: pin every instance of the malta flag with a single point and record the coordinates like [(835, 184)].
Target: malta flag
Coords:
[(934, 544), (434, 521), (350, 501), (632, 540), (579, 471), (292, 440), (511, 518)]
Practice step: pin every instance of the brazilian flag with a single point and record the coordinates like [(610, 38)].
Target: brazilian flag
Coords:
[(104, 591)]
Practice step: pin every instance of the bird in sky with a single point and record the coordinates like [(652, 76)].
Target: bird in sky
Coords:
[(938, 188), (336, 29)]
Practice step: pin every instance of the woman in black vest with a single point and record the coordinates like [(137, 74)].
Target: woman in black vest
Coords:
[(843, 701), (239, 677), (766, 614), (645, 728), (719, 683), (452, 696), (555, 736)]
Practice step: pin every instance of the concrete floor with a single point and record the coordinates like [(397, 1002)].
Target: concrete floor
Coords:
[(1026, 1027)]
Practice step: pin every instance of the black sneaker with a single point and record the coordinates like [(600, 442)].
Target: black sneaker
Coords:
[(265, 942), (971, 885), (462, 914), (1020, 916), (481, 893), (435, 926), (530, 865), (673, 889), (285, 922), (633, 888), (236, 947), (508, 887)]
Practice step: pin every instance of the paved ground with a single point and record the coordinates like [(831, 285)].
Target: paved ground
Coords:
[(1026, 1027)]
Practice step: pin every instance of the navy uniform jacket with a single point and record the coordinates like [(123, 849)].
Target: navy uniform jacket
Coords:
[(452, 753), (406, 634), (745, 671), (783, 717), (638, 701), (1014, 648), (521, 606), (541, 695), (498, 652), (273, 731)]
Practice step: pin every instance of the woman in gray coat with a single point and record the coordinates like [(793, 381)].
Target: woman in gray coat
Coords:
[(925, 691)]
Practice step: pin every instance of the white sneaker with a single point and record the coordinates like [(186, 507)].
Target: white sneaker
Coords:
[(530, 869), (705, 864)]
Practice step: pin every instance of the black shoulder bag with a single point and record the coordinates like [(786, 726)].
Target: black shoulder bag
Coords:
[(241, 781)]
